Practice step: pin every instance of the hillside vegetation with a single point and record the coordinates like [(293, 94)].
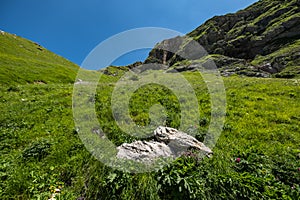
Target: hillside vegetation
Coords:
[(41, 150), (256, 157), (23, 61)]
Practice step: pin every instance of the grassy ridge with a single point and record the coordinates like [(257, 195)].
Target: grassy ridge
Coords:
[(23, 61), (40, 148)]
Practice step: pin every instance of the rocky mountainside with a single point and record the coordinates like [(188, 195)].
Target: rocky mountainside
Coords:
[(261, 40)]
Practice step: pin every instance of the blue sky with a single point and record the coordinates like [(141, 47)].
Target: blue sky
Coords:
[(72, 28)]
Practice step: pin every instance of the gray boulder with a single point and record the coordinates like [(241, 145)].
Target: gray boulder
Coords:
[(178, 141), (168, 142)]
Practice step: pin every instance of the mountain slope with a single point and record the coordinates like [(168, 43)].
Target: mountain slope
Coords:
[(23, 61), (263, 38)]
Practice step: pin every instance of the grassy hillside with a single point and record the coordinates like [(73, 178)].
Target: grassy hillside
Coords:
[(23, 61), (40, 149), (256, 157)]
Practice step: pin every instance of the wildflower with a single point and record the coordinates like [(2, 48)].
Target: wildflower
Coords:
[(238, 160), (57, 190), (52, 197)]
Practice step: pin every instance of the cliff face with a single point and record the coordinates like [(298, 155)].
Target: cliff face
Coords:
[(263, 38)]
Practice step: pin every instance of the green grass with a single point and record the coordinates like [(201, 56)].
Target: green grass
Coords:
[(289, 72), (40, 148), (23, 61), (294, 47), (288, 55)]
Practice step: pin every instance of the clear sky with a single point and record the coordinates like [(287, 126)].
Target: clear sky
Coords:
[(72, 28)]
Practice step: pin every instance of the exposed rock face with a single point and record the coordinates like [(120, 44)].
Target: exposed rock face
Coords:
[(168, 142), (160, 55), (259, 30), (143, 150), (178, 141)]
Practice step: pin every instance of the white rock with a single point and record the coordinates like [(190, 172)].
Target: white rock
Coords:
[(168, 142)]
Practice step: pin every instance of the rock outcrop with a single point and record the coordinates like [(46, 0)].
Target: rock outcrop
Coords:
[(178, 141), (254, 37), (168, 142)]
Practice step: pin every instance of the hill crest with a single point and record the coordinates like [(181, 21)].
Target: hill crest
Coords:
[(23, 61)]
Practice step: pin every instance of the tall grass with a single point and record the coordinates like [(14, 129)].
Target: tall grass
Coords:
[(41, 150)]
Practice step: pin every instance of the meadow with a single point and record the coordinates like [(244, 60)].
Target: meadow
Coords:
[(256, 157)]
